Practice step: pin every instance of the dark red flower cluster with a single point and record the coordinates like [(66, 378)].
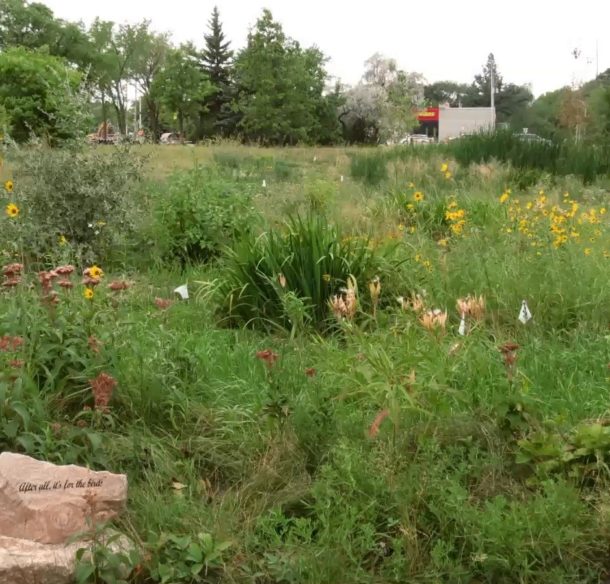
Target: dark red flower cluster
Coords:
[(102, 387), (268, 356), (12, 275), (10, 344)]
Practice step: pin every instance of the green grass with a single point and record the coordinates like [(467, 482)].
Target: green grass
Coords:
[(473, 475)]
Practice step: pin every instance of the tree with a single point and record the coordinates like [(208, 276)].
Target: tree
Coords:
[(217, 63), (181, 86), (38, 103), (447, 92), (34, 26), (382, 105), (148, 63), (280, 86), (481, 87), (119, 51)]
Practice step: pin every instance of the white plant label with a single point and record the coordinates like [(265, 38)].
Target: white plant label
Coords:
[(524, 314), (462, 329), (183, 291)]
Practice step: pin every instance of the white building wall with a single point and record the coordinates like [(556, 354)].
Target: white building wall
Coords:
[(456, 121)]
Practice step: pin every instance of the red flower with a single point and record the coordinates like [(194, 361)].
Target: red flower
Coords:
[(102, 387), (310, 372), (162, 303), (118, 285), (10, 344), (268, 356), (94, 344), (379, 418), (12, 282), (89, 281), (64, 270), (12, 270)]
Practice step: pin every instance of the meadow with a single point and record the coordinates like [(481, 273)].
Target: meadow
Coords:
[(354, 390)]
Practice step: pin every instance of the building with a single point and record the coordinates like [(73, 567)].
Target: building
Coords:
[(446, 123)]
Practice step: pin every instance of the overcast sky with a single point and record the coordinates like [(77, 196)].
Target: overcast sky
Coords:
[(532, 40)]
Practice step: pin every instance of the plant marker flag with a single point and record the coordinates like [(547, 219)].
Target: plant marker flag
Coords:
[(183, 291), (524, 313)]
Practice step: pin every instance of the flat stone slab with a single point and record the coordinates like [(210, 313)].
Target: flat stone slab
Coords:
[(48, 503), (28, 562)]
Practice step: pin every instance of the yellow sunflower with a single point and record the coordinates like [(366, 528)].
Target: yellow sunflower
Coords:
[(418, 196), (88, 293), (96, 272), (8, 186), (12, 210), (444, 167)]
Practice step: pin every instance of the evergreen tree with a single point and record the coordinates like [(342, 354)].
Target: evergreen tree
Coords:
[(217, 63)]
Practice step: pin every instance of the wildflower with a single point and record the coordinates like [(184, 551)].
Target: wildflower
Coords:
[(94, 344), (90, 282), (411, 185), (62, 240), (12, 270), (379, 418), (64, 270), (10, 344), (434, 319), (375, 291), (162, 303), (268, 356), (444, 167), (102, 387), (587, 251), (326, 277), (448, 175), (12, 210), (418, 196), (310, 372), (282, 280), (602, 211), (471, 306), (118, 285), (504, 197), (88, 293), (16, 363), (66, 284), (46, 280), (8, 186), (94, 272), (82, 423), (412, 229), (442, 242), (509, 352), (12, 282)]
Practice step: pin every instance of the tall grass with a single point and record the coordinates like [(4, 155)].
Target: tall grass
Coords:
[(313, 257)]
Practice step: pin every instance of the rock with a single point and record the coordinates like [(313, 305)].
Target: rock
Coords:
[(28, 562), (47, 503)]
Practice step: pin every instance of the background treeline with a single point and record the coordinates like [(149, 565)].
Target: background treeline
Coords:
[(59, 80)]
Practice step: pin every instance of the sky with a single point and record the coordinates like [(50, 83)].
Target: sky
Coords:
[(533, 40)]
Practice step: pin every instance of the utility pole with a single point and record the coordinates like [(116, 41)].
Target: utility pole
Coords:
[(493, 99)]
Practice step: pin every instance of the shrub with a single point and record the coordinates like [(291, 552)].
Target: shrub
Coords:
[(82, 197), (312, 256), (199, 212)]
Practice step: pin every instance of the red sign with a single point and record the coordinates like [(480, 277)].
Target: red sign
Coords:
[(430, 115)]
